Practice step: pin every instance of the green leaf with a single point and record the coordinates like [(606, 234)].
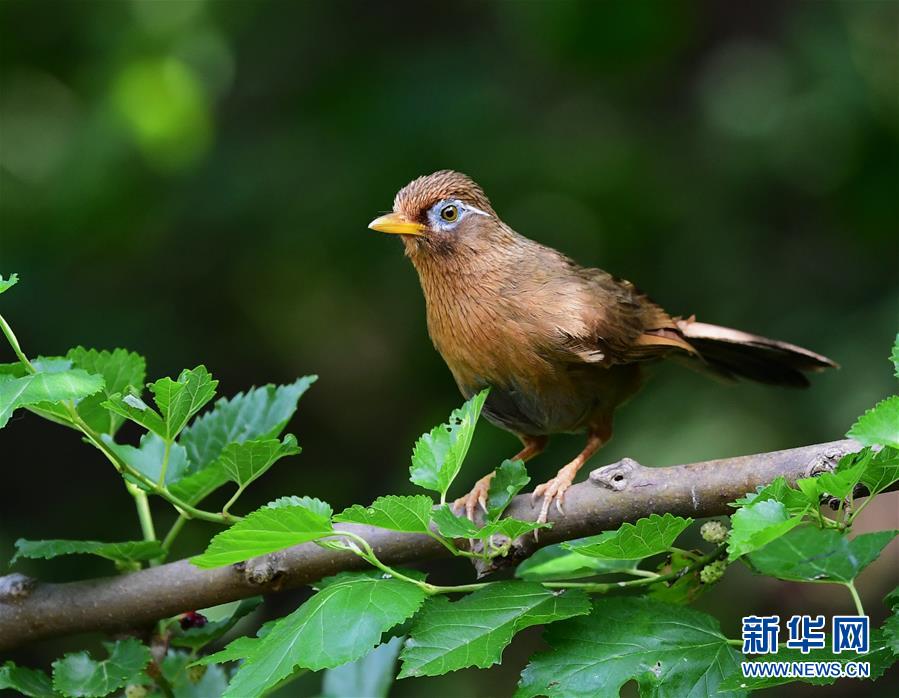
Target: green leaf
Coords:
[(6, 284), (670, 651), (879, 657), (314, 504), (812, 554), (510, 478), (555, 562), (795, 502), (27, 682), (264, 531), (648, 536), (894, 356), (121, 370), (246, 461), (134, 408), (340, 624), (260, 413), (475, 630), (147, 458), (451, 525), (756, 525), (882, 470), (78, 675), (409, 514), (177, 401), (197, 486), (842, 480), (180, 400), (237, 649), (891, 632), (438, 455), (121, 553), (38, 388), (370, 676), (879, 426), (197, 638)]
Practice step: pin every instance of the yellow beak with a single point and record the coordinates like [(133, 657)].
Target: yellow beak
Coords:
[(397, 224)]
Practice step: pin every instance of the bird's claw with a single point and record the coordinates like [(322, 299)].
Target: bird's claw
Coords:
[(553, 491), (476, 498)]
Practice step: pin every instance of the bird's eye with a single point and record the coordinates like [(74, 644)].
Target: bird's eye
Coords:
[(449, 213)]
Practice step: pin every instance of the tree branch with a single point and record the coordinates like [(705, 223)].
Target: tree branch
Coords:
[(623, 491)]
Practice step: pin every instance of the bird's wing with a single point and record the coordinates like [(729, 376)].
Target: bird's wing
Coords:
[(620, 324)]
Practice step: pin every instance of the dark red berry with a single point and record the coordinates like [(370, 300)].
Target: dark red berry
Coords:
[(192, 619)]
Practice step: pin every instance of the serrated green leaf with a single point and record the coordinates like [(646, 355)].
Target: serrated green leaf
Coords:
[(879, 657), (451, 525), (669, 650), (757, 524), (39, 388), (475, 630), (260, 413), (27, 682), (795, 501), (648, 536), (121, 370), (264, 531), (370, 676), (812, 554), (246, 461), (134, 408), (197, 486), (239, 648), (891, 632), (340, 624), (122, 553), (842, 480), (879, 426), (77, 674), (8, 283), (197, 638), (882, 470), (438, 455), (555, 562), (510, 478), (148, 457), (180, 400), (314, 504), (409, 514)]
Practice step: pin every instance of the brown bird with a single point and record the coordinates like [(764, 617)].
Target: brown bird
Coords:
[(559, 345)]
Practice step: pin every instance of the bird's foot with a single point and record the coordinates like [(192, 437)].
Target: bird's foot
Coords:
[(554, 490), (477, 497)]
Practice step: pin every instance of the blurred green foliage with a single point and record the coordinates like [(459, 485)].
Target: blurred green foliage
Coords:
[(192, 179)]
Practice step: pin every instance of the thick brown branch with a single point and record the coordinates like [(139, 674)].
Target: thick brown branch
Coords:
[(622, 491)]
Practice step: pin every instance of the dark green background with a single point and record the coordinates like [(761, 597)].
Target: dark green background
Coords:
[(193, 180)]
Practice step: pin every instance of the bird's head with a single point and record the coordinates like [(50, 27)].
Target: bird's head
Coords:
[(441, 213)]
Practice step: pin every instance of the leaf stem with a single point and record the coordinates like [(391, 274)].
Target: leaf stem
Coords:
[(173, 532), (144, 514), (14, 343), (855, 598)]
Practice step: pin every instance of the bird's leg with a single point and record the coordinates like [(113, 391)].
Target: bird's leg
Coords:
[(554, 490), (533, 445)]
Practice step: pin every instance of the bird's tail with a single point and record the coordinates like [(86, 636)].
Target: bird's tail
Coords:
[(734, 354)]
